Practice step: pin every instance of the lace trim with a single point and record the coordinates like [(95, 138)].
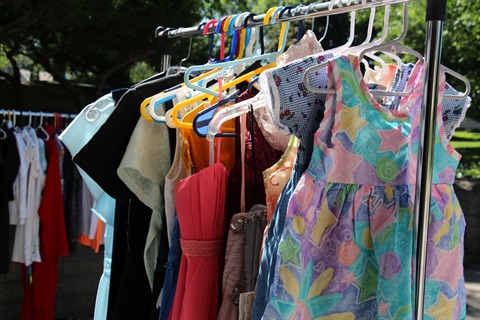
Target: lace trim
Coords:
[(199, 248)]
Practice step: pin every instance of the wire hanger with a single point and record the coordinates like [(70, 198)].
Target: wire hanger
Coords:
[(172, 70)]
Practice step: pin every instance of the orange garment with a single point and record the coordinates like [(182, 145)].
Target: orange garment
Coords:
[(94, 243), (198, 147)]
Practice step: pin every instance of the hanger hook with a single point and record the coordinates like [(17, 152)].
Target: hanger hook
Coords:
[(280, 15), (207, 26), (268, 14), (188, 54)]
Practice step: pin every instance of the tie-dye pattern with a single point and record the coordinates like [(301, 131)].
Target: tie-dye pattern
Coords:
[(347, 248)]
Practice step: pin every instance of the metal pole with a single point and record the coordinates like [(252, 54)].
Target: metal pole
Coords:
[(433, 49), (300, 13)]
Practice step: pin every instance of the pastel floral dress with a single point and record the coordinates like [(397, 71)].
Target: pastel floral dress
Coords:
[(347, 248)]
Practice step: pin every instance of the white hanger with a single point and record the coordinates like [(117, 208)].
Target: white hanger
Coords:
[(228, 113), (40, 127), (347, 45)]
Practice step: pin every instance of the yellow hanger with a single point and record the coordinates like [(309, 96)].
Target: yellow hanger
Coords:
[(180, 124), (143, 107)]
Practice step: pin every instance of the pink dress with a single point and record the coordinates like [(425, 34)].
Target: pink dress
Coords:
[(200, 201)]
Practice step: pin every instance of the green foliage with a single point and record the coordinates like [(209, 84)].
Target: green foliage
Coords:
[(467, 143), (140, 71), (97, 41)]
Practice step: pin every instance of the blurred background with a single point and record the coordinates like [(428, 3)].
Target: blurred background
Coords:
[(58, 56)]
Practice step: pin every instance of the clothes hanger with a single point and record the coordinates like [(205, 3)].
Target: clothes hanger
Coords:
[(152, 102), (45, 136), (338, 50), (203, 118), (167, 95), (367, 42), (269, 57), (173, 70), (4, 134), (232, 112), (395, 46), (173, 113), (219, 29), (354, 49)]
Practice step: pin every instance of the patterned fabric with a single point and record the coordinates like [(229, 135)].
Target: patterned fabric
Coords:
[(267, 274), (347, 245), (453, 111), (294, 109), (276, 177)]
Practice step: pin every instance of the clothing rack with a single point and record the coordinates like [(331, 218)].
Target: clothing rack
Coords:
[(37, 114), (253, 20), (435, 17)]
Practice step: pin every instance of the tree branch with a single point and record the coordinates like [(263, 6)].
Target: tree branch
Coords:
[(6, 75), (105, 74)]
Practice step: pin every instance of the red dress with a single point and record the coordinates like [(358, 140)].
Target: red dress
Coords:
[(39, 299), (200, 201)]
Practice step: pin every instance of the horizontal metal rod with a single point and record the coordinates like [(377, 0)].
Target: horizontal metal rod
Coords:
[(35, 113), (295, 14)]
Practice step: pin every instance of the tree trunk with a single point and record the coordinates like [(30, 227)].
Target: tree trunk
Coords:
[(14, 81)]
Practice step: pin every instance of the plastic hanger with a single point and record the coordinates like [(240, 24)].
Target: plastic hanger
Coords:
[(4, 134), (152, 102), (269, 57), (232, 112), (203, 118), (347, 45), (168, 116), (172, 115), (394, 47), (174, 112), (367, 42), (167, 95), (45, 135)]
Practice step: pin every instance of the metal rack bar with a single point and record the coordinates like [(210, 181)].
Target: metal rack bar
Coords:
[(298, 13), (36, 113), (435, 17)]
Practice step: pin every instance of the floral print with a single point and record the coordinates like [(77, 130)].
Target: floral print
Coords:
[(347, 248)]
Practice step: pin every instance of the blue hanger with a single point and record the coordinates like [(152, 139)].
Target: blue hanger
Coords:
[(202, 119), (269, 56)]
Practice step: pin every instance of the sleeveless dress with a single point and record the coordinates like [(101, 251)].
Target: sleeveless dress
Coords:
[(347, 247), (200, 202)]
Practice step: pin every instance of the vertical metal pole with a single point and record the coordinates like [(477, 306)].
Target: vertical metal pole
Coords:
[(435, 18)]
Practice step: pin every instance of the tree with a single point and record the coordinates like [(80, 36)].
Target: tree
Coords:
[(91, 40)]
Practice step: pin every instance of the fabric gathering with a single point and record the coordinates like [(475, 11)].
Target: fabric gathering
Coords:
[(268, 186)]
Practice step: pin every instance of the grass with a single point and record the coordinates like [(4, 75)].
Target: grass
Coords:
[(467, 143)]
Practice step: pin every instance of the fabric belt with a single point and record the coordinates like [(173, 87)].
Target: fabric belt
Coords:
[(205, 248)]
